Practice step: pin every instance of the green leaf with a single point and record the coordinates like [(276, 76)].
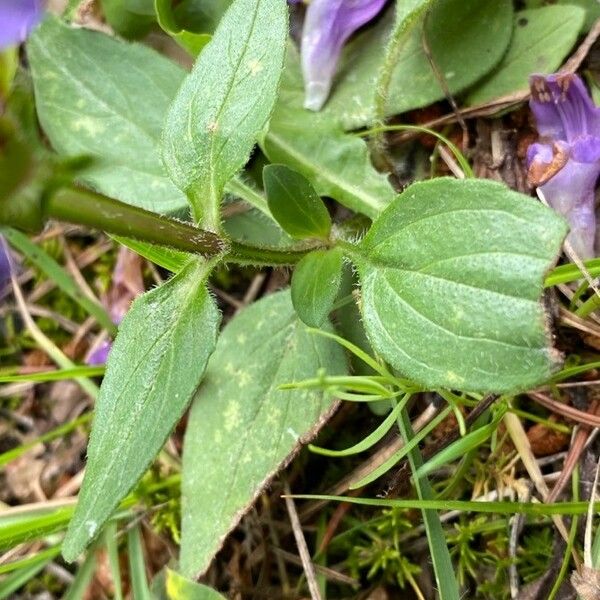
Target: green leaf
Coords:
[(137, 565), (190, 41), (295, 204), (170, 585), (242, 429), (451, 277), (336, 164), (127, 19), (467, 38), (154, 368), (224, 103), (541, 39), (105, 98), (315, 285)]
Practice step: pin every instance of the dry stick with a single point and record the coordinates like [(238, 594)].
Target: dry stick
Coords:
[(307, 564), (579, 441), (572, 320), (584, 418), (327, 572), (521, 442), (517, 522)]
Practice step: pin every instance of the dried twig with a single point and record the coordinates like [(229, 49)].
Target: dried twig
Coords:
[(309, 569)]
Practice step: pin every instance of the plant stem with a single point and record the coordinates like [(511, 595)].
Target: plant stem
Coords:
[(243, 254), (84, 207), (406, 16)]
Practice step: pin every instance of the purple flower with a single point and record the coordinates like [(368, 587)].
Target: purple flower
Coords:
[(328, 24), (565, 164), (5, 263), (17, 19)]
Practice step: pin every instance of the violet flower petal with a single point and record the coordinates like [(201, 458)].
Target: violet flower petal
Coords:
[(327, 26), (562, 107), (17, 19), (5, 263), (566, 165), (99, 355)]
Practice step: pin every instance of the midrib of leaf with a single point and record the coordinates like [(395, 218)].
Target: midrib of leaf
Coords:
[(368, 205), (127, 433), (214, 192)]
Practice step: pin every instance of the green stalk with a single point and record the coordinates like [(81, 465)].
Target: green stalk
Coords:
[(88, 208), (84, 207), (440, 557)]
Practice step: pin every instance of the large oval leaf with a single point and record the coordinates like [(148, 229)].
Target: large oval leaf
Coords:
[(242, 429), (154, 368), (225, 102), (451, 277), (108, 99)]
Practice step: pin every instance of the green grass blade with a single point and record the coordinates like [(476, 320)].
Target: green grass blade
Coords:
[(137, 565), (61, 278), (56, 375), (460, 157), (29, 560), (112, 550), (402, 452), (570, 272), (371, 439), (10, 455), (459, 448), (82, 578), (531, 509), (19, 578), (440, 556)]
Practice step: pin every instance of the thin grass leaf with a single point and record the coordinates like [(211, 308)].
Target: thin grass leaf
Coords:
[(60, 431), (570, 543), (19, 578), (83, 577), (137, 565), (402, 452), (459, 448), (356, 383), (361, 354), (530, 509), (61, 278), (569, 372), (368, 441), (112, 550), (571, 272), (440, 556), (34, 559), (56, 375), (460, 157)]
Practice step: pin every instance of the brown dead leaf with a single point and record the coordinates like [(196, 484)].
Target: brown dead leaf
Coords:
[(545, 440)]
